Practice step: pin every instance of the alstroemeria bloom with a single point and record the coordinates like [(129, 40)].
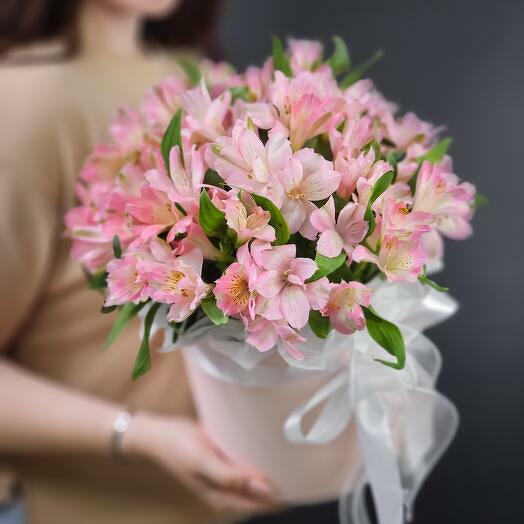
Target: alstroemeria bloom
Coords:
[(344, 233), (344, 306), (307, 177), (282, 280), (408, 129), (177, 282), (450, 202), (398, 219), (184, 182), (234, 290), (205, 117), (128, 130), (245, 162), (400, 260), (163, 100), (125, 282), (308, 104), (248, 220), (264, 334), (305, 54), (152, 212)]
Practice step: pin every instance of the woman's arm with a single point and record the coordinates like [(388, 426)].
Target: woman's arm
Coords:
[(39, 416)]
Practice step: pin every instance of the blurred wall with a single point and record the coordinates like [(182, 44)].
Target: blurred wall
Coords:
[(458, 63)]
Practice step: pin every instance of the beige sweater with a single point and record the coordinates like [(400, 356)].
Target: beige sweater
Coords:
[(52, 113)]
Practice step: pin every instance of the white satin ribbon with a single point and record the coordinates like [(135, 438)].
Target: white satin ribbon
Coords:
[(404, 425)]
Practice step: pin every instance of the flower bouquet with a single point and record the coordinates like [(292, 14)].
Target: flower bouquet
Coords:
[(279, 225)]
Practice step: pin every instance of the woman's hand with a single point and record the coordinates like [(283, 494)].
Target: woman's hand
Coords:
[(181, 446)]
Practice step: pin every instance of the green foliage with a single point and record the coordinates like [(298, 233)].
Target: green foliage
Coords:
[(97, 281), (212, 178), (378, 188), (125, 314), (327, 265), (387, 335), (358, 72), (117, 247), (212, 220), (277, 220), (280, 60), (437, 152), (214, 313), (480, 201), (319, 325), (190, 68), (237, 92), (339, 61), (172, 137), (143, 359)]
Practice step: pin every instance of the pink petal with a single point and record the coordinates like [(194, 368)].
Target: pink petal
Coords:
[(295, 213), (321, 184), (294, 306), (303, 268), (324, 218), (363, 254), (330, 244), (269, 283)]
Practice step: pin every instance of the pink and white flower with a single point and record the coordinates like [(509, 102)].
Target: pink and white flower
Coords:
[(339, 234), (344, 306)]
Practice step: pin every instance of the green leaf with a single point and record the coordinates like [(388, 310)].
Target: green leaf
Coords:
[(277, 220), (97, 281), (212, 220), (437, 152), (327, 265), (387, 335), (280, 60), (214, 313), (319, 325), (378, 188), (190, 68), (358, 71), (143, 359), (126, 313), (480, 201), (425, 280), (117, 247), (237, 92), (212, 178), (107, 309), (172, 137), (339, 61)]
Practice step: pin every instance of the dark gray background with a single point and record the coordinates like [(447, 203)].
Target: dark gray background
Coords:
[(459, 63)]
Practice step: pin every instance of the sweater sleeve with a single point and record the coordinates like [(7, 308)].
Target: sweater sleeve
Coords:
[(30, 222)]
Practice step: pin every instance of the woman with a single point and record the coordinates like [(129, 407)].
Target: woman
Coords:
[(66, 432)]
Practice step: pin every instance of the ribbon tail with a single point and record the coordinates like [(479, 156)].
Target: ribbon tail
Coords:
[(380, 459)]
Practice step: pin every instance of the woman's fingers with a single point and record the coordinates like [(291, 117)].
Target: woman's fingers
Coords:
[(220, 473)]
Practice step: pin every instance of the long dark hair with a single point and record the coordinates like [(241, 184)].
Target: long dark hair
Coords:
[(23, 22)]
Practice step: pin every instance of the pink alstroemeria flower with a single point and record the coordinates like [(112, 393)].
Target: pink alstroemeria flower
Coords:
[(265, 334), (234, 290), (248, 220), (128, 129), (408, 129), (308, 104), (205, 117), (341, 234), (282, 281), (163, 100), (400, 260), (450, 202), (305, 54), (398, 219), (177, 282), (307, 177), (184, 182), (152, 212), (245, 162), (344, 306), (125, 282)]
